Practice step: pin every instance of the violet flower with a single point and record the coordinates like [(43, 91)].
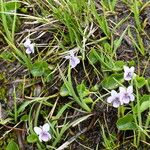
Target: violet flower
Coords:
[(126, 94), (114, 99), (74, 60), (128, 73), (29, 46), (43, 133)]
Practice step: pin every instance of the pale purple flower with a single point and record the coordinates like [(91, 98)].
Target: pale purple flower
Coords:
[(128, 73), (114, 99), (74, 60), (126, 94), (29, 46), (43, 133)]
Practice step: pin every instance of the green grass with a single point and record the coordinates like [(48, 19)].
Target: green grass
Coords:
[(43, 88)]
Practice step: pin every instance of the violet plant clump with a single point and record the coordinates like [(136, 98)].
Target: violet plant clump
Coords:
[(43, 133), (29, 46), (125, 95)]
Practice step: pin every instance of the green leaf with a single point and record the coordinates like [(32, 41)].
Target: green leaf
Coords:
[(118, 65), (140, 81), (24, 118), (145, 105), (38, 68), (112, 81), (107, 46), (92, 57), (82, 90), (8, 56), (23, 106), (131, 63), (11, 5), (3, 122), (88, 100), (95, 88), (118, 42), (126, 123), (64, 91), (143, 99), (12, 146), (32, 138), (47, 75)]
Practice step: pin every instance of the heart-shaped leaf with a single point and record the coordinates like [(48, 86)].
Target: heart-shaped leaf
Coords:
[(12, 146), (113, 81), (32, 138), (140, 81), (126, 123)]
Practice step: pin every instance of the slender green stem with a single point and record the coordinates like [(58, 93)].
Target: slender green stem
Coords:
[(15, 105)]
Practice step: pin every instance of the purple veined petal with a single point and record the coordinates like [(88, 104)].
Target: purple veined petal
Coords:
[(27, 42), (116, 104), (127, 71), (109, 99), (132, 97), (37, 130), (74, 61), (127, 78), (46, 127), (126, 100), (127, 75), (28, 51), (45, 136), (130, 89)]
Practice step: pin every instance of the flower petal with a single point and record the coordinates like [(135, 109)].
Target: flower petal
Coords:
[(109, 99), (40, 138), (126, 100), (46, 127), (31, 48), (127, 78), (44, 137), (114, 93), (116, 104), (28, 51), (126, 68), (67, 57), (74, 61), (132, 69), (27, 42), (130, 89), (122, 89), (37, 130), (132, 97)]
